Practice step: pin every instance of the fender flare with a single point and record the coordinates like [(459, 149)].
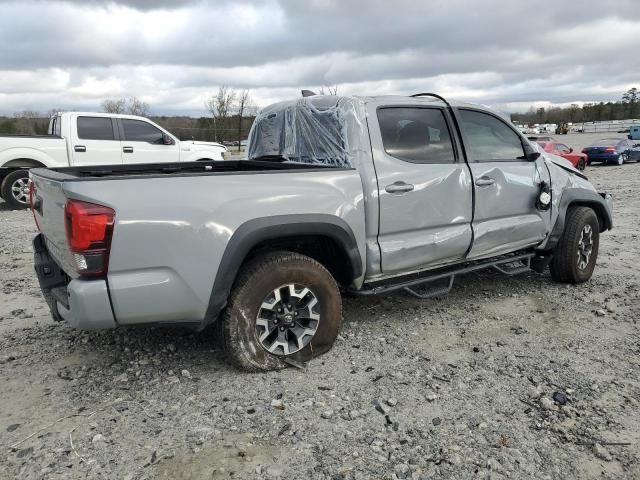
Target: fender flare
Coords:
[(580, 197), (256, 231)]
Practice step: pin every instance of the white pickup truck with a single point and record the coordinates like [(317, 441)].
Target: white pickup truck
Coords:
[(89, 139)]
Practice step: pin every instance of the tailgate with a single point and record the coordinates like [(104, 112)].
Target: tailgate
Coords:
[(49, 200)]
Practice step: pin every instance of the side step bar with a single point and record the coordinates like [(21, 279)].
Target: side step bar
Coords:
[(509, 265)]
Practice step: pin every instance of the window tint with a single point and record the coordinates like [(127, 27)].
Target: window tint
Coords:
[(139, 131), (95, 128), (417, 135), (561, 147), (489, 139)]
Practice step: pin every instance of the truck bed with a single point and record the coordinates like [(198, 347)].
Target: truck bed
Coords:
[(151, 170)]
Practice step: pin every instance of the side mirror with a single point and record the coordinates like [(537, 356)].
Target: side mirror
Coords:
[(571, 150), (532, 156), (167, 140)]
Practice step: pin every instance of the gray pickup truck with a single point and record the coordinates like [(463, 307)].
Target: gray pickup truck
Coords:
[(364, 195)]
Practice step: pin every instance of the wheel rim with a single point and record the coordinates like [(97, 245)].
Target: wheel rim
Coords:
[(620, 159), (585, 247), (20, 190), (287, 320)]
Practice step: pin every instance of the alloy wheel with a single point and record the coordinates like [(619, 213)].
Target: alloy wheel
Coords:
[(288, 319), (20, 190), (585, 247)]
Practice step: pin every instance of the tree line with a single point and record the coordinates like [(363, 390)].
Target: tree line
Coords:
[(627, 107)]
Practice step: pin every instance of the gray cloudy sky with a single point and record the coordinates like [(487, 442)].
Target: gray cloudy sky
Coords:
[(174, 54)]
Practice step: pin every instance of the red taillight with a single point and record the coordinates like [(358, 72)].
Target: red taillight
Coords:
[(610, 150), (32, 200), (89, 230)]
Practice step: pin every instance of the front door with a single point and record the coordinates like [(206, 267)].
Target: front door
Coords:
[(425, 192), (143, 142), (506, 186), (94, 141)]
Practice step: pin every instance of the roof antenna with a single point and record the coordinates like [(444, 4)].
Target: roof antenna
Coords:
[(308, 93)]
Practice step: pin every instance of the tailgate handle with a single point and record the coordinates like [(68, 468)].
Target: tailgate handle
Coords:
[(127, 149), (80, 148)]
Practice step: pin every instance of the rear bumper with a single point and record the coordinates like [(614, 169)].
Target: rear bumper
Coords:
[(84, 304), (600, 157)]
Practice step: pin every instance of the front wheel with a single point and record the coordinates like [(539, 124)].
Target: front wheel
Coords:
[(15, 189), (581, 165), (574, 258), (283, 306)]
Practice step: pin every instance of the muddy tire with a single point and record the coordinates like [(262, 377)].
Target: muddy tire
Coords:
[(14, 189), (283, 307), (574, 258)]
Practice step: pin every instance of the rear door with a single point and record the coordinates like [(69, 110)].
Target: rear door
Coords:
[(94, 140), (424, 188), (143, 142), (506, 186)]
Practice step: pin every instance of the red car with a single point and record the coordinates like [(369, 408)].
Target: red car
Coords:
[(577, 159)]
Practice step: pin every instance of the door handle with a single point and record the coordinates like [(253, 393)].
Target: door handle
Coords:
[(485, 181), (127, 149), (80, 148), (399, 187)]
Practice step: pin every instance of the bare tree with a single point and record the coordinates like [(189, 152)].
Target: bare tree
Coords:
[(138, 107), (220, 107), (114, 106), (329, 90), (244, 105), (132, 106)]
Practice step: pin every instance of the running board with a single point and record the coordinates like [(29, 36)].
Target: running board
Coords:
[(507, 265), (434, 292)]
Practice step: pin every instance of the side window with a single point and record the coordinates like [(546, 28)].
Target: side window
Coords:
[(561, 147), (95, 128), (489, 139), (418, 135), (139, 131)]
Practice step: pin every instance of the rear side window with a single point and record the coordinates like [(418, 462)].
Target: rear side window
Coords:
[(418, 135), (139, 131), (489, 139), (95, 128)]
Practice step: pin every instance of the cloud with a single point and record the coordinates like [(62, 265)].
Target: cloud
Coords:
[(175, 53)]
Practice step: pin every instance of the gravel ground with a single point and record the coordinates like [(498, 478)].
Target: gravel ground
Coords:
[(504, 378)]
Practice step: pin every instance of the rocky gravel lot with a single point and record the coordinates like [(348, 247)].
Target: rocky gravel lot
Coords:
[(506, 377)]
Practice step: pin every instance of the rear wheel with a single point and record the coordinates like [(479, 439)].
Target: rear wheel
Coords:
[(574, 258), (15, 189), (621, 158), (283, 306)]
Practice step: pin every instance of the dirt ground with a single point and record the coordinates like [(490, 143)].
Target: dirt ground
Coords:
[(470, 385)]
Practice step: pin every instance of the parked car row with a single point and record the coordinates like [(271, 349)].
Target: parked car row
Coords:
[(607, 150)]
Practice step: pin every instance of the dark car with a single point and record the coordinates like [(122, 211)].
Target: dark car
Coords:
[(612, 150)]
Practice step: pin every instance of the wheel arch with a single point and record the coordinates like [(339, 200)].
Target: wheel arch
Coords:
[(326, 238), (580, 197)]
